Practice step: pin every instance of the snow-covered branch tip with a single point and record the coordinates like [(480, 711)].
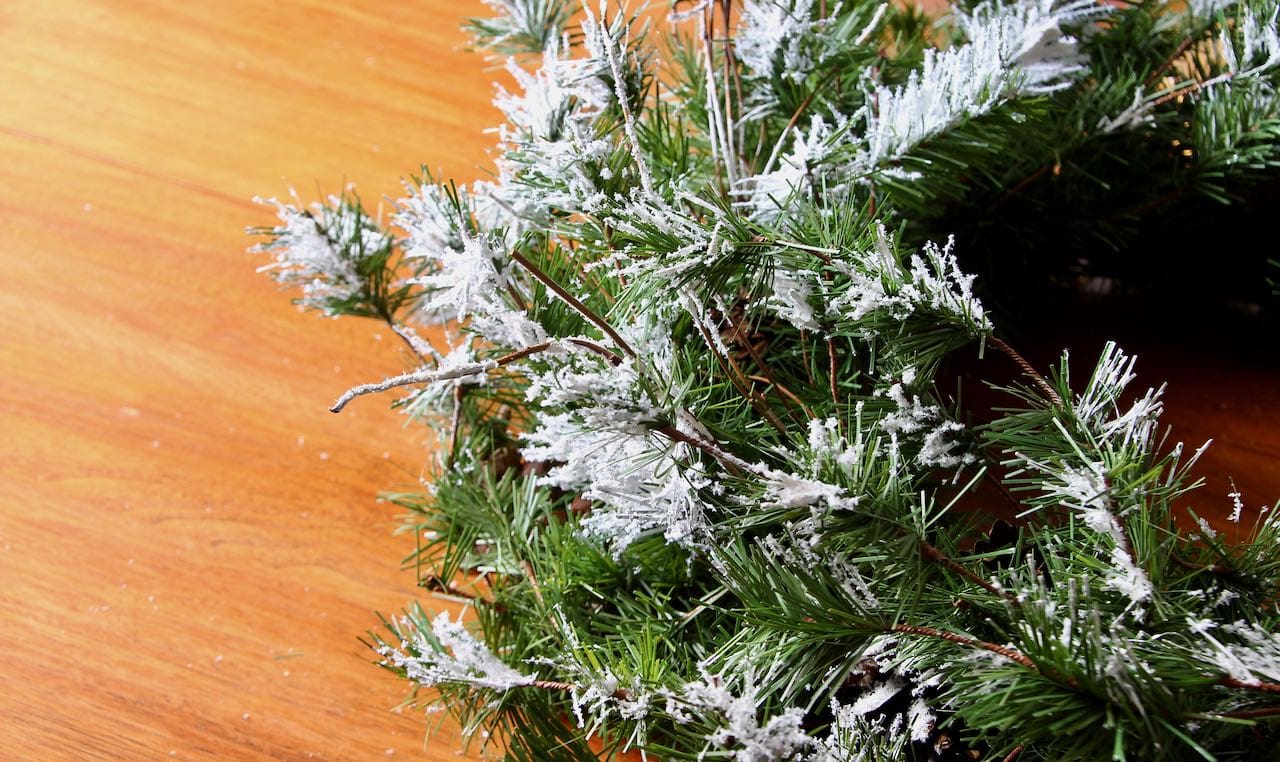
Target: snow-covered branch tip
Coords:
[(423, 376), (465, 370)]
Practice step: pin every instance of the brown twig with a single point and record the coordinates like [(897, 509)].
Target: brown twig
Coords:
[(455, 423), (1189, 89), (1177, 53), (831, 370), (1251, 714), (964, 640), (1225, 571), (434, 583), (604, 352), (736, 377), (785, 392), (714, 450), (521, 304), (1022, 185), (432, 375), (1027, 368), (555, 685), (1017, 752), (745, 342), (527, 568), (1231, 682), (804, 355), (573, 302), (795, 116), (933, 554), (740, 336)]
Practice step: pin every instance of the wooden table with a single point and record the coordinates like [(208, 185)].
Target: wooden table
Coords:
[(189, 541)]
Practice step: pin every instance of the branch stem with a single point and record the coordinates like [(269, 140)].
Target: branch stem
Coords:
[(933, 554), (415, 343), (1231, 682), (1225, 571), (433, 375), (710, 448), (1177, 53), (1250, 714), (964, 640), (573, 302), (1027, 368)]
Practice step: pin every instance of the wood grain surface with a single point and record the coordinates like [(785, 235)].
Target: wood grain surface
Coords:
[(189, 542)]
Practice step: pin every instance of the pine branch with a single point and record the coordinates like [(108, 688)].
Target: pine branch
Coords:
[(1250, 714), (686, 542)]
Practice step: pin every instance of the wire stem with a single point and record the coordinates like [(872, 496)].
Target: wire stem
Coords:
[(1027, 368), (1231, 682), (1225, 571), (573, 302), (964, 640), (433, 375), (933, 554)]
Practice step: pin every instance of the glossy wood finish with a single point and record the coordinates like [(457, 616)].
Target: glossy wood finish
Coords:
[(189, 542)]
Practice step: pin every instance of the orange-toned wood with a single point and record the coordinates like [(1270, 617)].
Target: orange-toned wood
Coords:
[(189, 542)]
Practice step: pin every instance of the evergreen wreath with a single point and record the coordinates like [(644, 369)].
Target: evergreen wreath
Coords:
[(702, 481)]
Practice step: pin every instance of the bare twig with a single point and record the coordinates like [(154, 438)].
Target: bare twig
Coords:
[(1177, 53), (1231, 682), (1225, 571), (415, 343), (1251, 714), (455, 423), (1027, 368), (554, 685), (933, 554), (1194, 87), (527, 568), (573, 302), (1022, 185), (964, 640), (711, 448), (422, 376), (831, 370), (785, 392)]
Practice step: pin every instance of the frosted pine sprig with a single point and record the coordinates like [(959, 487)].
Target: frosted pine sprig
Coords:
[(1012, 50), (448, 654), (521, 26), (930, 282), (781, 35), (740, 730), (328, 250)]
